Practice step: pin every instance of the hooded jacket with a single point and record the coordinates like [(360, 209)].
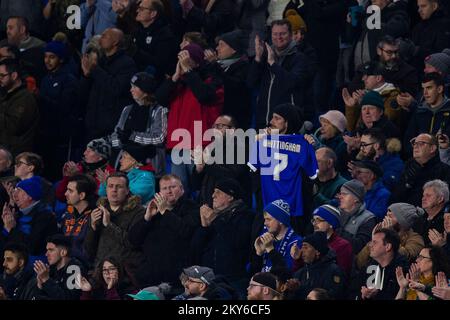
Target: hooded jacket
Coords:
[(377, 199)]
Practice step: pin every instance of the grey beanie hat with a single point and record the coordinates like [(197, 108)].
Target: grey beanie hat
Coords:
[(440, 61), (406, 214), (356, 188), (101, 147)]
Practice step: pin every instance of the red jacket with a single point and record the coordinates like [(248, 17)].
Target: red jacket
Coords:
[(185, 108), (61, 188), (344, 252)]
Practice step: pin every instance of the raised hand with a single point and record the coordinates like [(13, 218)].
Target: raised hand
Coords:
[(151, 210), (161, 203), (83, 283), (102, 175), (401, 279), (207, 215), (348, 99), (267, 240), (106, 216), (296, 252), (270, 54), (436, 238), (210, 55), (8, 217), (96, 215), (259, 49), (404, 100), (414, 272), (42, 271)]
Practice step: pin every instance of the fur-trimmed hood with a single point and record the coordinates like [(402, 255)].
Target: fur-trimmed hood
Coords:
[(132, 202)]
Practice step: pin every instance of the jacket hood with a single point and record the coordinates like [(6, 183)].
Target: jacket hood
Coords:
[(147, 167), (445, 106), (131, 203)]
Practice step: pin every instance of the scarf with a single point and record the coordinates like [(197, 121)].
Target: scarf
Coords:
[(225, 64), (411, 294), (281, 55), (281, 246), (91, 167)]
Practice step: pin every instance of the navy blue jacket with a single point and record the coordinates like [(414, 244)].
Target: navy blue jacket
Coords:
[(392, 166)]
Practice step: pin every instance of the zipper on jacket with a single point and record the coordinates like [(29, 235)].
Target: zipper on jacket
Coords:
[(272, 77), (432, 124)]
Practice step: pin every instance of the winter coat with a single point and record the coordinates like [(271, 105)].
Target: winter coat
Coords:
[(32, 230), (157, 47), (154, 135), (237, 97), (19, 120), (166, 236), (108, 91), (58, 106), (225, 245), (142, 183), (357, 228), (414, 176), (322, 273), (427, 120), (19, 286), (430, 36), (113, 239), (61, 285), (286, 81), (198, 96), (377, 199), (384, 124), (423, 225), (392, 166)]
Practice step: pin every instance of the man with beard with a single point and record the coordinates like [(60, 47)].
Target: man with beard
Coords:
[(16, 277), (94, 163), (375, 147), (396, 71), (19, 113)]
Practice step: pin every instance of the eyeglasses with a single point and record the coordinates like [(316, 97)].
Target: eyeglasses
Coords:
[(221, 126), (109, 270), (141, 8), (389, 52), (414, 143), (420, 257), (18, 163), (363, 145), (193, 281), (2, 75), (317, 220)]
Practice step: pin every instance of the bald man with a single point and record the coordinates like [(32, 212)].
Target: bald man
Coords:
[(106, 84)]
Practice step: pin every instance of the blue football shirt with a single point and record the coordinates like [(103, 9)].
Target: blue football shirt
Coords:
[(281, 159)]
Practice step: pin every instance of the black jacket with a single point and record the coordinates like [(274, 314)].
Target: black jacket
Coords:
[(430, 36), (287, 82), (225, 245), (61, 285), (423, 225), (165, 243), (390, 285), (40, 221), (156, 47), (324, 273), (237, 98), (409, 188), (220, 19), (108, 91), (388, 128), (19, 286)]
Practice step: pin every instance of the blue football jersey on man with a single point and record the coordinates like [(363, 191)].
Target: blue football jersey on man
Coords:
[(281, 158)]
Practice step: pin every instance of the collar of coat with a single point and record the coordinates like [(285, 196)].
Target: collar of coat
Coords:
[(131, 203)]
